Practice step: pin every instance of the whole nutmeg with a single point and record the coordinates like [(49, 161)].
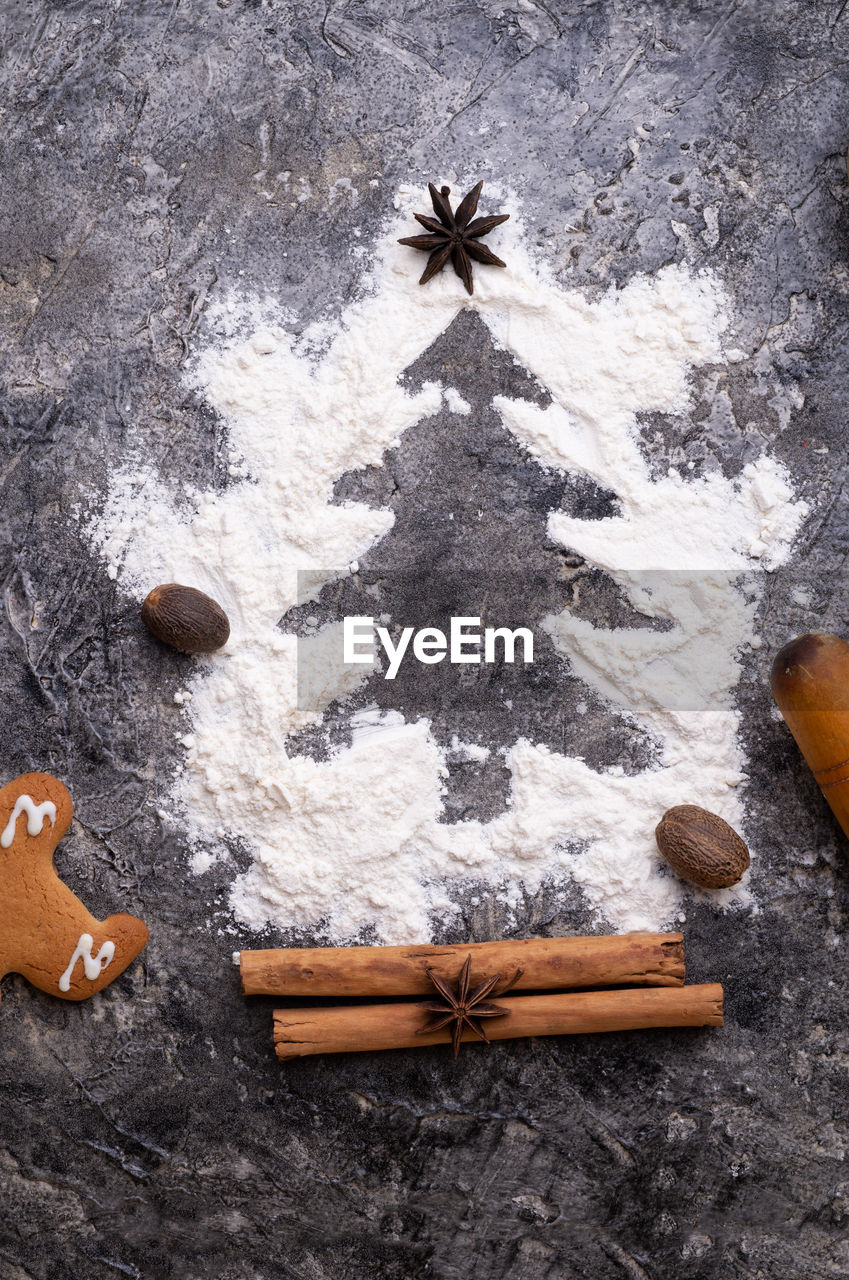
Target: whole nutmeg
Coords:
[(185, 618), (701, 847)]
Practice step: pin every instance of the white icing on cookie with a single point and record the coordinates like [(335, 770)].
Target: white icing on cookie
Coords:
[(94, 965), (36, 813)]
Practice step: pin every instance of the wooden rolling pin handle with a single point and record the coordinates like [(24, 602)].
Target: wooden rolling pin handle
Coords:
[(834, 776), (810, 683)]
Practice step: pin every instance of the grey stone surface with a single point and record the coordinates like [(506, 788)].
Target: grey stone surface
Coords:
[(154, 154)]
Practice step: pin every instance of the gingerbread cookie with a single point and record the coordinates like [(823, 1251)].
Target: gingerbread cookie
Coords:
[(46, 933)]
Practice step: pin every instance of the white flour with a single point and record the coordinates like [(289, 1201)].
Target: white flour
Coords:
[(355, 842)]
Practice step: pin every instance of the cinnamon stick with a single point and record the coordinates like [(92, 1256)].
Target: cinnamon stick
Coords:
[(639, 959), (357, 1028)]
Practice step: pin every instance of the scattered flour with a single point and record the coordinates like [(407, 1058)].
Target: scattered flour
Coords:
[(356, 842), (470, 751), (456, 403)]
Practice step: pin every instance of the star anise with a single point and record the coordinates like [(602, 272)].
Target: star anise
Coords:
[(463, 1008), (455, 236)]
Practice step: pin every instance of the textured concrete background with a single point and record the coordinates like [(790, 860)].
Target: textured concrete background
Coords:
[(153, 154)]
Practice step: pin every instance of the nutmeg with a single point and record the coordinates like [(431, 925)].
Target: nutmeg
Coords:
[(701, 847), (185, 618)]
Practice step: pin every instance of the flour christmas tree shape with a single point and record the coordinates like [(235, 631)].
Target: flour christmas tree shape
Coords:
[(46, 934), (468, 538), (357, 840)]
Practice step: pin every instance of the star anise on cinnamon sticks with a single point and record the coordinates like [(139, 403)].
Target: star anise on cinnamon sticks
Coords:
[(464, 1008), (456, 235)]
